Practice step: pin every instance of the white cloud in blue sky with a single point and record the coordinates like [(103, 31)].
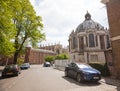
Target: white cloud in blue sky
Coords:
[(60, 17)]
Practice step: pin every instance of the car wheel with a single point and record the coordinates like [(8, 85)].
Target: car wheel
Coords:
[(17, 73), (3, 76), (66, 73), (79, 78)]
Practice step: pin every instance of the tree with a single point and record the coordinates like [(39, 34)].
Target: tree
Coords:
[(6, 29), (28, 26), (18, 24)]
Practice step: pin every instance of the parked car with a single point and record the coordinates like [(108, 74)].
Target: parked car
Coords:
[(46, 64), (82, 72), (25, 66), (12, 69)]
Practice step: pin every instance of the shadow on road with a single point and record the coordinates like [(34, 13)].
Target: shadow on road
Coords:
[(113, 82), (8, 77), (71, 80)]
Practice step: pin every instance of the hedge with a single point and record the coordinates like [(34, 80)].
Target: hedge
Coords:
[(103, 68), (61, 56)]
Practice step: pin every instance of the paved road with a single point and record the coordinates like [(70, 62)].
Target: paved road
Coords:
[(39, 78)]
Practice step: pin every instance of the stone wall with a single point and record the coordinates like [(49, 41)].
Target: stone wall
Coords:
[(60, 64)]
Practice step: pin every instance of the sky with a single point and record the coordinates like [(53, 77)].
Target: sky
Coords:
[(61, 17)]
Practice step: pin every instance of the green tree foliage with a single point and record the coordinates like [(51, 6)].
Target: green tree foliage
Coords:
[(19, 22), (6, 29), (49, 58), (28, 26), (20, 61), (61, 56)]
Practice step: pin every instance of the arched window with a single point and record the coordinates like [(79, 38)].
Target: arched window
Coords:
[(91, 40), (74, 42), (96, 40), (81, 44)]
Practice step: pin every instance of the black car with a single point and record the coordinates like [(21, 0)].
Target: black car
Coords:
[(46, 64), (12, 69), (82, 72)]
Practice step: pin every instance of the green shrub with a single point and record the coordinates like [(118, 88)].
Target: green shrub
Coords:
[(61, 56), (49, 58), (103, 68)]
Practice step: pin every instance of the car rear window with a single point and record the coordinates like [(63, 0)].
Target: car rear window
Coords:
[(10, 66)]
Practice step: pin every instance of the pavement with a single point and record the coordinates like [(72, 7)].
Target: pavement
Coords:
[(111, 81), (1, 68)]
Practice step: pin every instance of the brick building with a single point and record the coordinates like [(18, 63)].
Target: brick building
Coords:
[(37, 56), (113, 10)]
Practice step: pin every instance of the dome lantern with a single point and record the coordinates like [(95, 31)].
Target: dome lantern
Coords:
[(87, 16)]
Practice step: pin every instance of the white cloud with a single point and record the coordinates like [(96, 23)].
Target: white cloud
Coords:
[(60, 17)]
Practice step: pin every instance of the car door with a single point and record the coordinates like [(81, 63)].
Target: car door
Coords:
[(72, 70)]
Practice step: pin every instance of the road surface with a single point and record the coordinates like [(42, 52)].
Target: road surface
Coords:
[(39, 78)]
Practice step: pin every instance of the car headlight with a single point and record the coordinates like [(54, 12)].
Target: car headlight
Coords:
[(86, 73), (99, 73)]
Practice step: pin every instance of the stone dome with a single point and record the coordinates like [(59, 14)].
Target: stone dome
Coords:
[(88, 23)]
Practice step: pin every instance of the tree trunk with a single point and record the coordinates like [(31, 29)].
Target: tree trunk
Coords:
[(15, 57), (6, 61)]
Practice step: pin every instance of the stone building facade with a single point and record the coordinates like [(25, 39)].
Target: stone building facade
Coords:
[(113, 10), (57, 48), (89, 41)]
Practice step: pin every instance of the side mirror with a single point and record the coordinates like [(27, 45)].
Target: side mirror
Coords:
[(68, 64)]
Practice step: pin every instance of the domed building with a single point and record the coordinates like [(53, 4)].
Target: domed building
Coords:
[(89, 41)]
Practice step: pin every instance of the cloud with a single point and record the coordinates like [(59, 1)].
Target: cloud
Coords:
[(60, 17)]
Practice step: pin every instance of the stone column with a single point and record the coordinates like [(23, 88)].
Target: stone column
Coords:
[(84, 41), (78, 41)]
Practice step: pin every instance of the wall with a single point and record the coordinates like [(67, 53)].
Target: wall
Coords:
[(60, 64), (113, 9), (37, 56)]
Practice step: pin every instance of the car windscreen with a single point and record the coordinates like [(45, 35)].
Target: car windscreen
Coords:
[(23, 65), (85, 67)]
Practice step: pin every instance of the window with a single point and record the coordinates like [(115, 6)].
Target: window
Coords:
[(94, 58), (102, 42), (73, 56), (74, 42), (91, 40), (81, 44), (96, 40), (86, 41)]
